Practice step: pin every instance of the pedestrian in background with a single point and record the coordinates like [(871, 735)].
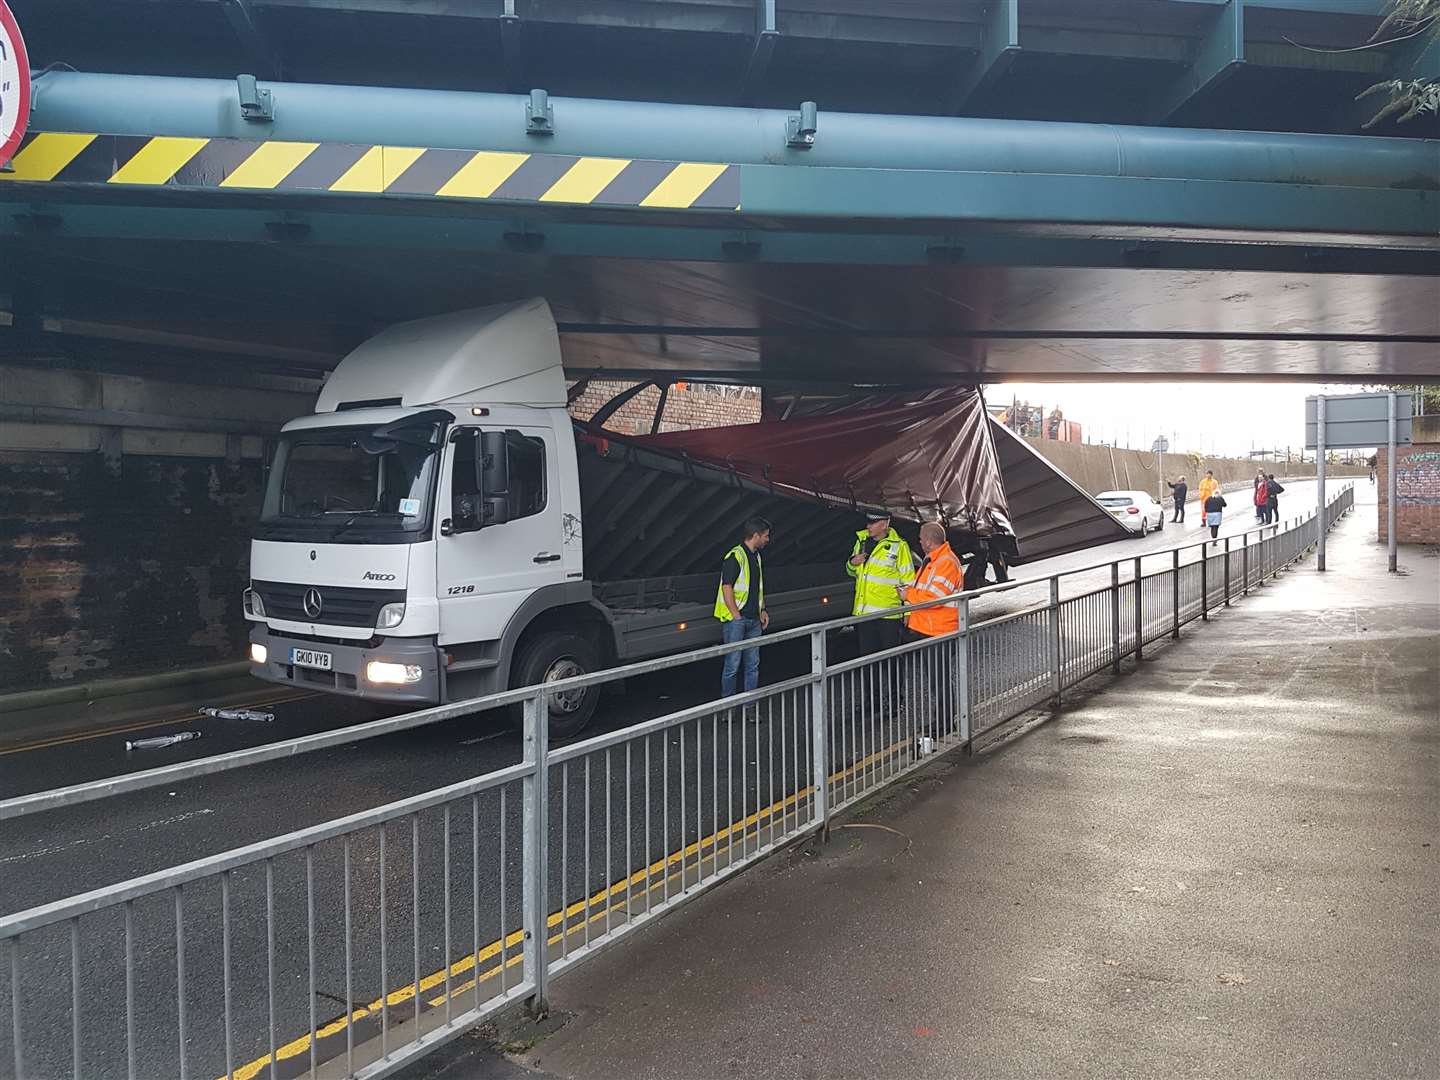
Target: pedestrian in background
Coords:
[(1214, 507), (1208, 486), (883, 567), (1179, 489), (740, 604), (1273, 488), (1258, 483)]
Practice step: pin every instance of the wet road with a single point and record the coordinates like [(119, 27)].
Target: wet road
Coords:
[(58, 854)]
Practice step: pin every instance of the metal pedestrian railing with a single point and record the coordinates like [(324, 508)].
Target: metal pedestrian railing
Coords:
[(412, 922)]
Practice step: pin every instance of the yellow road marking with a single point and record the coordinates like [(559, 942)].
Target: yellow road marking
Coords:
[(121, 729), (481, 175), (269, 164), (686, 183), (46, 155), (584, 180), (516, 938), (158, 160)]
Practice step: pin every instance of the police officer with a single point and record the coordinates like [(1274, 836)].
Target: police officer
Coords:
[(883, 568)]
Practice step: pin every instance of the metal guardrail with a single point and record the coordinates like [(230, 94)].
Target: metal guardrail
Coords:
[(434, 912)]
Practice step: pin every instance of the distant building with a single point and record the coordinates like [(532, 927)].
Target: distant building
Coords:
[(1030, 420)]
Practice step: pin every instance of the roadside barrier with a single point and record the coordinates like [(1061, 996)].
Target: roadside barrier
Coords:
[(426, 916)]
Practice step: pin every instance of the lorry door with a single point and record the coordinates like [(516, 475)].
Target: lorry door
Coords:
[(484, 574)]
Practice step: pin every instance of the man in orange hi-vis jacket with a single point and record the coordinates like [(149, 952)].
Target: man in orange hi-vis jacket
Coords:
[(941, 575), (931, 689)]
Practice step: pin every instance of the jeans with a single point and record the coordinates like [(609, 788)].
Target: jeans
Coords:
[(1179, 512), (731, 632)]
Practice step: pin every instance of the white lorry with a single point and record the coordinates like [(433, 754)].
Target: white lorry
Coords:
[(439, 529)]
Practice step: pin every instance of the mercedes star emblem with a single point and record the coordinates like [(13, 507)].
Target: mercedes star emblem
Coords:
[(313, 603)]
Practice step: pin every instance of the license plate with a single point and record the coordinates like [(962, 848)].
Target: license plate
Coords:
[(310, 658)]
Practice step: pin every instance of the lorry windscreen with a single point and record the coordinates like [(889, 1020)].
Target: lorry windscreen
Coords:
[(362, 485)]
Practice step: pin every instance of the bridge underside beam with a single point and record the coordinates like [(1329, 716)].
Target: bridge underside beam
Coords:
[(285, 307), (495, 235)]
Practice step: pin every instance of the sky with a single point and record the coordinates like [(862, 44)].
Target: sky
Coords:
[(1217, 419)]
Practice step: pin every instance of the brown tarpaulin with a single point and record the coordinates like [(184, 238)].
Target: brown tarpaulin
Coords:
[(925, 455), (933, 458)]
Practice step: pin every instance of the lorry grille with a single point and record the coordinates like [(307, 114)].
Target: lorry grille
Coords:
[(340, 606)]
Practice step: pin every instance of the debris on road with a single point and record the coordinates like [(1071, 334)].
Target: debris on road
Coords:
[(1232, 978), (160, 741), (238, 714)]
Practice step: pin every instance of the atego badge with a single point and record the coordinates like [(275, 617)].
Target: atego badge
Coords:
[(14, 85)]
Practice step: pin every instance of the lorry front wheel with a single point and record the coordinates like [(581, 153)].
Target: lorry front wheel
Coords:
[(550, 658)]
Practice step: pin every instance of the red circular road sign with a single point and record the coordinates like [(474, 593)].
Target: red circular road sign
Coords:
[(14, 84)]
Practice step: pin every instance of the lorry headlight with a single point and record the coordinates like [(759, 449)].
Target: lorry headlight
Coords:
[(254, 606), (382, 671), (258, 653), (390, 615)]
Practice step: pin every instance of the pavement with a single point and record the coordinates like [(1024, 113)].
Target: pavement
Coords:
[(1226, 864)]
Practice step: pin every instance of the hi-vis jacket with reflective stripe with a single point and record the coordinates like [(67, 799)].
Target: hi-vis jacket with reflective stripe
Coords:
[(742, 583), (881, 580), (940, 576)]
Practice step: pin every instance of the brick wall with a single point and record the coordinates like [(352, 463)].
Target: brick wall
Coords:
[(126, 507), (125, 568), (689, 406), (1417, 489)]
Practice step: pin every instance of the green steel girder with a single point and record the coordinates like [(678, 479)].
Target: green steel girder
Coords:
[(762, 49), (1000, 44), (1220, 52)]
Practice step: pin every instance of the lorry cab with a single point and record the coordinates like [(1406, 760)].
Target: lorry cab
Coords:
[(430, 498)]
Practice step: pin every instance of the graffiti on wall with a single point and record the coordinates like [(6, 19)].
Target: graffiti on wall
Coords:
[(1417, 479)]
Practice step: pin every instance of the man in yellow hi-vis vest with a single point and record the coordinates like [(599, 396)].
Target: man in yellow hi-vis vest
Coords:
[(883, 568), (740, 604)]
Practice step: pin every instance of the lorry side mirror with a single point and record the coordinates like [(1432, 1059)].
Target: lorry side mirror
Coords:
[(492, 466)]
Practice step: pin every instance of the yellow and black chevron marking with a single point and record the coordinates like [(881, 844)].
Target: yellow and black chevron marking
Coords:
[(256, 165)]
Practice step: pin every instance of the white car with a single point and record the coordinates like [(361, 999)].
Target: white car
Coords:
[(1136, 510)]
